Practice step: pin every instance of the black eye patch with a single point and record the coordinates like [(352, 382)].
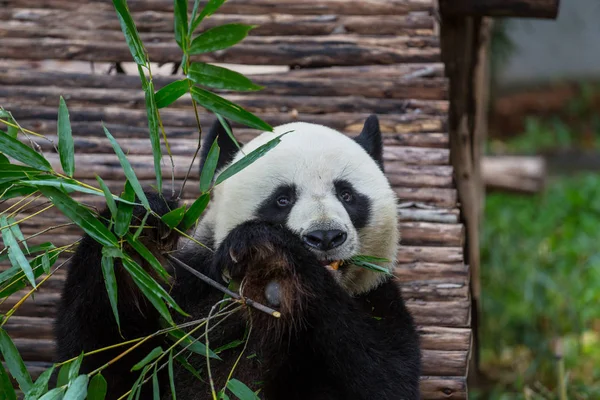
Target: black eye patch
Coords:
[(358, 206), (277, 207)]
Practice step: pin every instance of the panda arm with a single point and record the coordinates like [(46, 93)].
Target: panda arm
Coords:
[(85, 320), (357, 356)]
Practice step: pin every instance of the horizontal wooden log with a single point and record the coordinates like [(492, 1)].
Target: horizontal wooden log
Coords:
[(445, 198), (43, 328), (266, 25), (346, 122), (260, 103), (288, 84), (313, 51), (259, 7), (438, 388), (426, 254), (432, 273), (523, 174), (427, 233), (456, 313), (547, 9), (416, 155), (415, 214)]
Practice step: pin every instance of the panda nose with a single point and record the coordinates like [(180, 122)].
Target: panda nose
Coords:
[(325, 240)]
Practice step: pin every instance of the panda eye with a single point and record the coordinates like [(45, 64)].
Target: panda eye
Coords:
[(346, 195), (283, 201)]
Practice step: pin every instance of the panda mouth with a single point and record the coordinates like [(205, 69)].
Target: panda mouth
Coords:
[(332, 265)]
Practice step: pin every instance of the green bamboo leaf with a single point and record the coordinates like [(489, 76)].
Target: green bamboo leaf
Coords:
[(12, 131), (208, 10), (230, 345), (63, 374), (80, 216), (174, 217), (54, 394), (219, 38), (66, 148), (110, 201), (46, 263), (14, 279), (171, 376), (110, 281), (241, 391), (219, 105), (15, 254), (14, 362), (124, 211), (7, 391), (171, 92), (220, 78), (74, 367), (181, 360), (181, 23), (127, 169), (4, 159), (132, 37), (208, 170), (77, 389), (191, 344), (14, 228), (155, 386), (153, 127), (97, 388), (21, 152), (155, 353), (368, 263), (194, 212), (147, 255), (135, 389), (41, 384), (228, 130), (12, 192), (248, 159)]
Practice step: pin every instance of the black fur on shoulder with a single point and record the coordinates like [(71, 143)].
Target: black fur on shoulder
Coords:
[(370, 139), (227, 147)]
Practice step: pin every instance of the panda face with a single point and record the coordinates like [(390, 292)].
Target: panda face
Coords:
[(322, 185)]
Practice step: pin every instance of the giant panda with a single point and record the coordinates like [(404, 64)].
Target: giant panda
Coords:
[(276, 228)]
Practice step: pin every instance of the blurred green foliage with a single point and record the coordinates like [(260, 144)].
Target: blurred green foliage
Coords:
[(541, 286)]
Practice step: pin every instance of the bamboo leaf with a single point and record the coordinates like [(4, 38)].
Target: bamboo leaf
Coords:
[(155, 353), (228, 130), (219, 105), (208, 170), (147, 255), (4, 159), (194, 212), (110, 281), (240, 390), (192, 344), (171, 92), (181, 23), (77, 389), (21, 152), (248, 159), (15, 254), (110, 201), (171, 376), (181, 360), (208, 10), (152, 114), (14, 279), (11, 193), (219, 38), (7, 391), (63, 374), (54, 394), (124, 211), (368, 263), (14, 362), (14, 228), (66, 148), (12, 131), (80, 216), (174, 217), (220, 78), (75, 366), (132, 36), (41, 384), (127, 169), (97, 388), (155, 386)]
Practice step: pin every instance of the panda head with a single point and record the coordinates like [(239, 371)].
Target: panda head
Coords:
[(328, 188)]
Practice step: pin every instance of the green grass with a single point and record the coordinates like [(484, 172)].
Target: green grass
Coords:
[(541, 284)]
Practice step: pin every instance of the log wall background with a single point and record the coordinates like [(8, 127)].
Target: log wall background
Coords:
[(346, 58)]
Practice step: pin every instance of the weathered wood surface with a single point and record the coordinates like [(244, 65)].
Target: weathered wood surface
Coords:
[(365, 56), (520, 174), (547, 9)]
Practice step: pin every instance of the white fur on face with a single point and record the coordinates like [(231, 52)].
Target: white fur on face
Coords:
[(312, 157)]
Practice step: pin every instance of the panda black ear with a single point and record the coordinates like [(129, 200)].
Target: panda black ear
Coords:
[(227, 147), (370, 139)]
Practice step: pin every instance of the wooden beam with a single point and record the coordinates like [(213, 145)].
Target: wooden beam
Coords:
[(547, 9)]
